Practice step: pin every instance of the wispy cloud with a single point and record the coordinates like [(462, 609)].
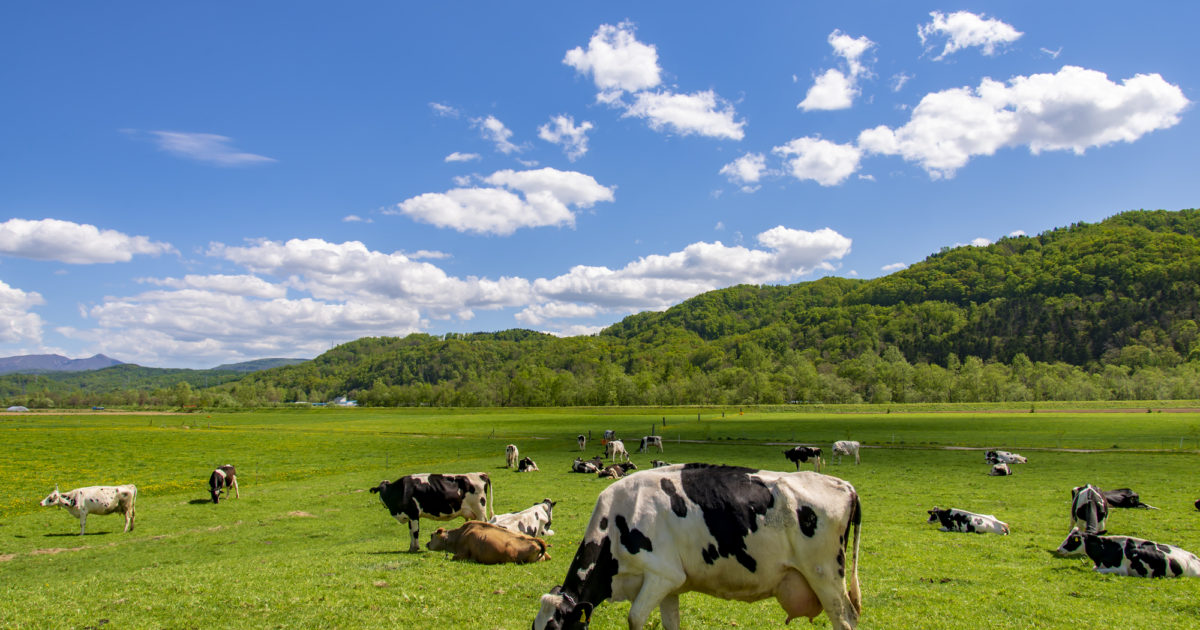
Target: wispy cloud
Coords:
[(209, 148), (462, 157)]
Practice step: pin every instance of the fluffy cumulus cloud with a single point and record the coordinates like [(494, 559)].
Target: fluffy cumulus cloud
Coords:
[(513, 199), (963, 29), (702, 113), (17, 323), (822, 161), (495, 131), (244, 285), (836, 88), (563, 131), (747, 171), (1074, 109), (896, 266), (75, 243), (209, 148), (462, 157)]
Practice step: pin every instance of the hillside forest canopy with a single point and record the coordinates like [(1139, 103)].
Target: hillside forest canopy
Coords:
[(1103, 311)]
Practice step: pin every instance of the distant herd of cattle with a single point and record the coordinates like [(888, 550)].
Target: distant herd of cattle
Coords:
[(782, 535)]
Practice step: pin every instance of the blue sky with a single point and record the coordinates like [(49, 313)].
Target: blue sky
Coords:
[(189, 184)]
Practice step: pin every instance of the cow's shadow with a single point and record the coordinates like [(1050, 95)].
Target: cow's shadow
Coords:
[(398, 552), (75, 535), (199, 501)]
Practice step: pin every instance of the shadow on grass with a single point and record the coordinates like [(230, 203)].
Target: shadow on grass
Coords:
[(75, 534), (199, 501), (398, 552)]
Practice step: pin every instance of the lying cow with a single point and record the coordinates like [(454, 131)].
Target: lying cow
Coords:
[(534, 521), (1124, 555), (658, 463), (1125, 498), (730, 532), (435, 496), (801, 454), (527, 465), (1000, 470), (648, 441), (847, 447), (582, 440), (587, 466), (95, 500), (221, 479), (956, 520), (616, 450), (510, 455), (616, 471), (488, 544), (1004, 457), (1089, 509)]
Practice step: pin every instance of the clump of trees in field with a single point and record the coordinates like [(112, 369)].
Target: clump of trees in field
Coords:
[(1104, 311)]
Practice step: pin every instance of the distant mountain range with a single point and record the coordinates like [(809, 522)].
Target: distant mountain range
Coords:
[(39, 363)]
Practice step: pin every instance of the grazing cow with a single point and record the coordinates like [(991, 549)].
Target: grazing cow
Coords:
[(527, 465), (730, 532), (95, 500), (1004, 457), (658, 463), (1089, 509), (616, 471), (510, 455), (1124, 555), (847, 447), (486, 543), (616, 450), (533, 521), (587, 466), (1000, 470), (221, 480), (955, 520), (609, 434), (1125, 498), (435, 496), (648, 441), (582, 440), (801, 454)]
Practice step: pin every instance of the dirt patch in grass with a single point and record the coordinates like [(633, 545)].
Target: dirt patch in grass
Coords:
[(299, 514), (54, 551), (5, 557)]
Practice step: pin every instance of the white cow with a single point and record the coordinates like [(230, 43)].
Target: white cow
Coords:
[(729, 532), (847, 447), (616, 449), (956, 520), (1004, 457), (95, 500), (648, 441), (534, 521), (510, 455), (1000, 470)]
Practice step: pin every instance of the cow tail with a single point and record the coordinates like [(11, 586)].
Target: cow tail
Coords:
[(491, 508), (856, 522)]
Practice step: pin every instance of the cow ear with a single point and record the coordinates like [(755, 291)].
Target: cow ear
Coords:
[(556, 590), (583, 610)]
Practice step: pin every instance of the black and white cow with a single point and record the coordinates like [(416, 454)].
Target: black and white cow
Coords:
[(847, 447), (587, 465), (1125, 498), (617, 470), (956, 520), (510, 455), (658, 463), (729, 532), (582, 440), (648, 441), (1089, 509), (436, 496), (801, 454), (95, 500), (1124, 555), (527, 465), (609, 434), (1004, 457), (1000, 470), (615, 450), (533, 521), (221, 479)]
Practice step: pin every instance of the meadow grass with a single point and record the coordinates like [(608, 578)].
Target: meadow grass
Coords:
[(307, 547)]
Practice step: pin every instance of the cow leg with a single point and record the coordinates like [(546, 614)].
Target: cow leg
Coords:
[(655, 590), (237, 493), (414, 532), (669, 608), (82, 522), (834, 599)]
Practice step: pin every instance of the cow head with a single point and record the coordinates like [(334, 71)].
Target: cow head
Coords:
[(934, 514), (55, 498), (438, 541), (560, 611), (381, 488), (1073, 545)]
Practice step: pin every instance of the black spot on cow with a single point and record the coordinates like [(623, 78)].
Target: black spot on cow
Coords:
[(731, 501), (632, 539), (678, 506), (1103, 552), (841, 560), (808, 520), (589, 578), (709, 554), (603, 523)]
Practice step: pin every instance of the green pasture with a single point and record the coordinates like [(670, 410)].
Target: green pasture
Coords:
[(307, 547)]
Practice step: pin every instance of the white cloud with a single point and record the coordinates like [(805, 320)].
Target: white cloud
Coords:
[(75, 243), (616, 61), (898, 81), (354, 218), (835, 89), (548, 196), (822, 161), (244, 285), (17, 324), (1053, 54), (539, 314), (422, 254), (1073, 109), (462, 157), (963, 29), (443, 110), (493, 130), (747, 170), (702, 113), (896, 266), (562, 130), (1015, 233), (980, 242), (206, 147)]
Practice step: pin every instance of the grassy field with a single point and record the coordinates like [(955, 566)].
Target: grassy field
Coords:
[(307, 547)]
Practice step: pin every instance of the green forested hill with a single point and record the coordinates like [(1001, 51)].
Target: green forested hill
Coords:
[(1090, 311)]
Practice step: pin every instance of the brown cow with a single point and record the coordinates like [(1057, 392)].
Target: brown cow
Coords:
[(488, 544)]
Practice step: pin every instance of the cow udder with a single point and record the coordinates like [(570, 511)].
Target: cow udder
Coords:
[(797, 597)]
